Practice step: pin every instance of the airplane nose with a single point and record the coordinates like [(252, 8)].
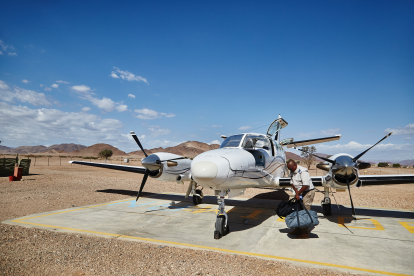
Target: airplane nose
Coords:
[(204, 170)]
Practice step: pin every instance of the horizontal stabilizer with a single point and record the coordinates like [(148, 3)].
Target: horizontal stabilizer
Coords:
[(302, 143), (125, 168)]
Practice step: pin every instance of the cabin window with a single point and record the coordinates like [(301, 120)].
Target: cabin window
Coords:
[(253, 141), (232, 141)]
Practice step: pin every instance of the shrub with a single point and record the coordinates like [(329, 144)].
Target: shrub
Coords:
[(382, 164), (396, 165), (106, 153)]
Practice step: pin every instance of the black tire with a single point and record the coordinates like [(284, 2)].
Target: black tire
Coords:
[(326, 209), (198, 197), (220, 225)]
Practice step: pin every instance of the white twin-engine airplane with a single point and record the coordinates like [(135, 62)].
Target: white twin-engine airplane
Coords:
[(250, 160)]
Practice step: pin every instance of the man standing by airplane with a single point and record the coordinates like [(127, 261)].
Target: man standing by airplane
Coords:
[(302, 185)]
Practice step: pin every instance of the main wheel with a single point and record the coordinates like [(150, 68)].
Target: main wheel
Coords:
[(326, 209), (198, 197), (221, 229)]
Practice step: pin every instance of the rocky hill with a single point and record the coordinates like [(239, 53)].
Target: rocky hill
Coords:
[(188, 149), (95, 149), (62, 148)]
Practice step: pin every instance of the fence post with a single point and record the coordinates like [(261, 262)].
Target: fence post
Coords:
[(60, 161), (35, 162), (48, 161)]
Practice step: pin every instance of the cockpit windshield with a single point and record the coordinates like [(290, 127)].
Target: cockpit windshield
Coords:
[(232, 141), (253, 141)]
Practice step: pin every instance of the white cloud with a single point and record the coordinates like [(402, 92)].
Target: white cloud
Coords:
[(407, 130), (168, 115), (85, 109), (244, 127), (122, 108), (131, 96), (148, 114), (47, 126), (4, 47), (54, 85), (215, 142), (61, 81), (105, 104), (1, 53), (330, 132), (407, 138), (216, 126), (25, 81), (159, 132), (81, 88), (48, 89), (126, 75), (41, 85), (12, 54), (8, 94)]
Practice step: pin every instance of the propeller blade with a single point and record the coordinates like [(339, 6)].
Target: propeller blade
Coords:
[(323, 158), (350, 197), (143, 183), (362, 153), (138, 142)]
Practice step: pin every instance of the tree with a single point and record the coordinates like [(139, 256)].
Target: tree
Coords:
[(308, 159), (382, 164), (106, 153), (396, 165)]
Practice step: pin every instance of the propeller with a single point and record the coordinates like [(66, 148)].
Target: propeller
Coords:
[(346, 167), (350, 197), (150, 162), (362, 153)]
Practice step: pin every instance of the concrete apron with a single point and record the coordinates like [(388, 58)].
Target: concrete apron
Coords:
[(380, 241)]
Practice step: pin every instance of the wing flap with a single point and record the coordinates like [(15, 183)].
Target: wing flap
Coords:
[(312, 141), (125, 168)]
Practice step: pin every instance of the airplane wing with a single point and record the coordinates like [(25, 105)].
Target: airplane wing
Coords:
[(312, 141), (366, 180), (133, 169)]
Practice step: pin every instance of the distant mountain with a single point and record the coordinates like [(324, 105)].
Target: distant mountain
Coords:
[(41, 149), (409, 162), (188, 149), (66, 147), (293, 156), (94, 150)]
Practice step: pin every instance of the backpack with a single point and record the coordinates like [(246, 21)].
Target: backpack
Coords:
[(287, 207)]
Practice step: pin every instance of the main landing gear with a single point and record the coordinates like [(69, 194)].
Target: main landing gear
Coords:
[(326, 203), (222, 227), (198, 197)]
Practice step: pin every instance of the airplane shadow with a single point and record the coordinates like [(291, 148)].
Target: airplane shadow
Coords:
[(249, 213)]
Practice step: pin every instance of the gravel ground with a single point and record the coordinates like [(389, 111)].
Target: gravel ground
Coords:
[(33, 251)]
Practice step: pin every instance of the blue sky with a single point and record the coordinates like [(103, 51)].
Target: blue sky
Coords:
[(91, 71)]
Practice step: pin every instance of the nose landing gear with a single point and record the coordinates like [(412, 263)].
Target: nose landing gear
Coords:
[(222, 227)]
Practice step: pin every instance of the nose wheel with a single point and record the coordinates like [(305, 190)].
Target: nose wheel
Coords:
[(326, 203), (198, 197), (222, 220), (222, 228)]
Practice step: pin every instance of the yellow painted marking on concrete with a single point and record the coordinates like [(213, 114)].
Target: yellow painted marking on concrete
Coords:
[(217, 249), (378, 226), (280, 219), (204, 210), (407, 226), (254, 214)]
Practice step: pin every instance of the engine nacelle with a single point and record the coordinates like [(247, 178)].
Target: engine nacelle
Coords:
[(167, 166)]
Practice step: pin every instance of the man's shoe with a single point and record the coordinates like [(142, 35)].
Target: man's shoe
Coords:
[(297, 231), (303, 236)]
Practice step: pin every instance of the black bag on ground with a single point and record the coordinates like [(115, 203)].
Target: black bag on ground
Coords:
[(285, 208), (303, 218)]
